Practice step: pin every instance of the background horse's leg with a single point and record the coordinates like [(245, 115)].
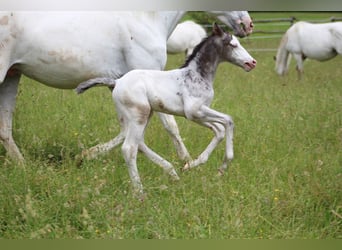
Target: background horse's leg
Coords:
[(170, 124), (8, 93), (300, 64)]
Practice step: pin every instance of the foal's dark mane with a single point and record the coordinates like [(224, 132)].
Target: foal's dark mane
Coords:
[(195, 51)]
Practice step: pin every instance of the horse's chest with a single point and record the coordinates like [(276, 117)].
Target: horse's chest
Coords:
[(196, 86), (199, 88)]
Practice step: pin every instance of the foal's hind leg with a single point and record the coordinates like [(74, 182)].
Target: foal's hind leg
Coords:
[(134, 139), (168, 122), (8, 93)]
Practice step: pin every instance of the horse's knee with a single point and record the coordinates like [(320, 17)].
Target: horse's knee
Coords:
[(229, 123), (219, 131)]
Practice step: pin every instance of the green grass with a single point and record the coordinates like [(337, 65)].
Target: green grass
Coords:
[(284, 183)]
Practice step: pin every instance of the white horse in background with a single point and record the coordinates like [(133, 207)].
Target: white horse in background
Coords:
[(185, 37), (186, 92), (62, 49), (303, 40)]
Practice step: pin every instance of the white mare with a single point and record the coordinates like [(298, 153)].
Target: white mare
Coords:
[(303, 40), (185, 37), (186, 92), (62, 49)]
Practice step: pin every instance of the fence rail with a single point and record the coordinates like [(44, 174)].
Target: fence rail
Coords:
[(294, 19), (281, 22), (260, 33)]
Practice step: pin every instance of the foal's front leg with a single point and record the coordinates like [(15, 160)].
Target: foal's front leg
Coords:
[(204, 156), (221, 124)]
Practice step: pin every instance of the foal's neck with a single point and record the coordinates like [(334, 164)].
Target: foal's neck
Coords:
[(206, 62)]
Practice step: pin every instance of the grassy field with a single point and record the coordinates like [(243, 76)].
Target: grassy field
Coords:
[(284, 183)]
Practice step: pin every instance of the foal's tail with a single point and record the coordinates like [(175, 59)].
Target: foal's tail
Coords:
[(101, 81), (283, 57)]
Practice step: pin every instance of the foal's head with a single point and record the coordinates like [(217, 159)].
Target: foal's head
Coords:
[(219, 47), (230, 49)]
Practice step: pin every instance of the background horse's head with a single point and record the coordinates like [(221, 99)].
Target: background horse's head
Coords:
[(239, 21)]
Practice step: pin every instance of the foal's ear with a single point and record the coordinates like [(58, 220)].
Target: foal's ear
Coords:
[(217, 30)]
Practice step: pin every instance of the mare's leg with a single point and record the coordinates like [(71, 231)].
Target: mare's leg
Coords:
[(99, 149), (170, 124), (8, 93), (157, 159), (221, 124)]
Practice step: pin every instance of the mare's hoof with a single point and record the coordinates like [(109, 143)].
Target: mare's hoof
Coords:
[(78, 160)]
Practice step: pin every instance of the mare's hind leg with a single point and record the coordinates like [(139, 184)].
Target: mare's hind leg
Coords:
[(99, 149), (170, 125), (103, 148), (8, 93)]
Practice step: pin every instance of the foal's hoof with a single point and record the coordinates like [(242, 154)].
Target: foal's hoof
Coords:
[(142, 197), (186, 167), (175, 178), (220, 172)]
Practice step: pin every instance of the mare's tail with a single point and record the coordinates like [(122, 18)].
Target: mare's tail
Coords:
[(283, 57), (101, 81)]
